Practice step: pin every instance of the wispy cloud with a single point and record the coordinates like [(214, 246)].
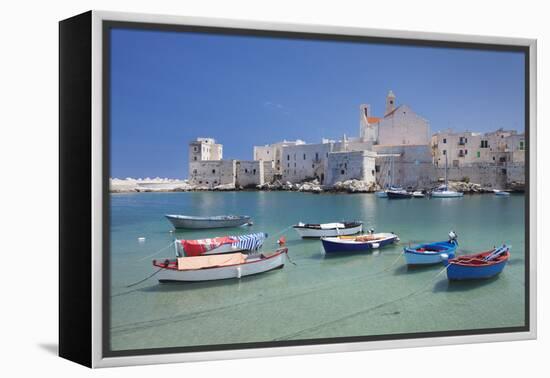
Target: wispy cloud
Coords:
[(276, 106)]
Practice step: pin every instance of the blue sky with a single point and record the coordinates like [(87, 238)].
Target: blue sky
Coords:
[(168, 88)]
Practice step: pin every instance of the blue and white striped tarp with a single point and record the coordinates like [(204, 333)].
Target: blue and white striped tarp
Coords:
[(250, 242)]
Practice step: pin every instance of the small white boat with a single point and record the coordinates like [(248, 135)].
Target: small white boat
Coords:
[(381, 194), (219, 221), (501, 193), (444, 192), (221, 244), (418, 194), (318, 230), (218, 267)]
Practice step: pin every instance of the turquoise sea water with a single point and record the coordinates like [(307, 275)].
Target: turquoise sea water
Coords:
[(371, 293)]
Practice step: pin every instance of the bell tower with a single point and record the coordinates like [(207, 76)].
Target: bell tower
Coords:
[(390, 103)]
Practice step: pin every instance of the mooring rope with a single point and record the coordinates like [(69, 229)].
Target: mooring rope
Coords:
[(157, 252), (282, 231), (145, 279)]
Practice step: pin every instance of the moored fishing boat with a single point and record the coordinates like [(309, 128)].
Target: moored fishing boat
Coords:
[(358, 243), (219, 221), (501, 193), (418, 194), (317, 230), (478, 266), (218, 267), (381, 194), (219, 245), (431, 253)]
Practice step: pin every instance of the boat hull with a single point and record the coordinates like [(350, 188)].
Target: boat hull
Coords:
[(381, 194), (414, 257), (336, 245), (224, 272), (457, 272), (447, 194), (179, 222), (399, 195), (318, 233)]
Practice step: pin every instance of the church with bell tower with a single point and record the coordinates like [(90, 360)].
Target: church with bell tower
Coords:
[(399, 126)]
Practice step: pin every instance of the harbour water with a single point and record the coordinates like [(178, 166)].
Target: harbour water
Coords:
[(364, 294)]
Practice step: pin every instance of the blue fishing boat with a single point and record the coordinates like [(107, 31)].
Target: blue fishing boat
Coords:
[(479, 266), (358, 243), (431, 253)]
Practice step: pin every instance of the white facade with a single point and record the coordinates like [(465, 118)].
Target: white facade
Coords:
[(273, 152), (350, 165), (249, 173), (407, 166), (466, 148)]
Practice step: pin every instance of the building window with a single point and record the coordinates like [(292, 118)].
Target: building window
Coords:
[(195, 149), (316, 156), (294, 165), (465, 152), (213, 171), (288, 165), (254, 171), (195, 158), (287, 157), (304, 156), (246, 170), (346, 165), (444, 152), (444, 140), (478, 154), (484, 144), (372, 172), (521, 145), (342, 171), (312, 166), (377, 168), (215, 182), (493, 158)]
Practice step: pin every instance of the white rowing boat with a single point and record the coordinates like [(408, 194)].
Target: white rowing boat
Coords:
[(218, 267), (318, 230)]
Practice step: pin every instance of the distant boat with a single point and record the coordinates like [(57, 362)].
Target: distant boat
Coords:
[(219, 245), (479, 266), (358, 243), (220, 221), (399, 194), (501, 193), (381, 194), (218, 267), (316, 230), (418, 194), (444, 192), (431, 253)]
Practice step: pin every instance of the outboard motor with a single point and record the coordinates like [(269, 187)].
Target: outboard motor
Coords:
[(453, 237)]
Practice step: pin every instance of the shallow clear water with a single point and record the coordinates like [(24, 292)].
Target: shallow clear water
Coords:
[(370, 293)]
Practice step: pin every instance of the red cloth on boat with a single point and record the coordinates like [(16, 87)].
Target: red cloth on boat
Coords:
[(198, 247)]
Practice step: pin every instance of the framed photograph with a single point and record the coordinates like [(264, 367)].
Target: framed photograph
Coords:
[(232, 189)]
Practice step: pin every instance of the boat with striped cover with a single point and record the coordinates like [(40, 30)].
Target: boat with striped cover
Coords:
[(318, 230), (358, 243), (218, 267), (430, 253), (478, 266), (219, 245), (218, 221)]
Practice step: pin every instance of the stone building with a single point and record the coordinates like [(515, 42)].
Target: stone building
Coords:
[(411, 164), (351, 165), (494, 159), (211, 173), (400, 125), (273, 152)]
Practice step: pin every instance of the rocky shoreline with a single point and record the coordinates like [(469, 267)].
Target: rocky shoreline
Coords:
[(130, 185)]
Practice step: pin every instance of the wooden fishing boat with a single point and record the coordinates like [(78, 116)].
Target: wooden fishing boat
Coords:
[(431, 253), (318, 230), (479, 266), (218, 267), (358, 243), (219, 245), (219, 221)]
